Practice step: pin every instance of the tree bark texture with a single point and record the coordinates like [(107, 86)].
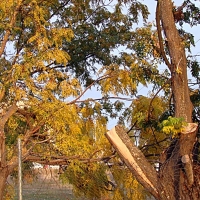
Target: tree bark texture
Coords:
[(3, 178), (180, 90), (134, 159), (177, 174), (171, 181)]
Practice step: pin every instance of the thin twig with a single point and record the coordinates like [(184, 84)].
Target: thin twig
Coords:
[(99, 79), (150, 105), (132, 127)]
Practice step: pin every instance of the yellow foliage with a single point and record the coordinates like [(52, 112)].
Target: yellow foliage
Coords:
[(9, 193), (12, 123), (38, 76), (118, 80), (127, 186), (178, 70), (173, 126)]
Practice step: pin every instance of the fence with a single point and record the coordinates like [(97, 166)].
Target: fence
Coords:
[(38, 182), (41, 183)]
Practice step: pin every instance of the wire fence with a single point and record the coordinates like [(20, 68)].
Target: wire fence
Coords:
[(41, 182), (32, 181)]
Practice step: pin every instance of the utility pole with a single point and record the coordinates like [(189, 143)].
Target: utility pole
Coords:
[(19, 169)]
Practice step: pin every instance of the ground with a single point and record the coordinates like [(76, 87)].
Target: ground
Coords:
[(43, 184)]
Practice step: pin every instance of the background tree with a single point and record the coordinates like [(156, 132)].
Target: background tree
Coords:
[(176, 178), (52, 53), (48, 51)]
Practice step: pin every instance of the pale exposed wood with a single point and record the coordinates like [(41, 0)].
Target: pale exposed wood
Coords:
[(133, 158), (190, 128), (188, 168), (187, 141)]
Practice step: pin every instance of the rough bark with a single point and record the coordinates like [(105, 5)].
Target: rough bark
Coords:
[(4, 167), (134, 159), (4, 175), (181, 97), (176, 176), (171, 182), (180, 163)]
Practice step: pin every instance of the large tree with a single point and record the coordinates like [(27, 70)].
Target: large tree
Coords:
[(49, 57), (52, 53), (178, 173)]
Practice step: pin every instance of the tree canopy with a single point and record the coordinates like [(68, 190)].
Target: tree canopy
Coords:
[(53, 52)]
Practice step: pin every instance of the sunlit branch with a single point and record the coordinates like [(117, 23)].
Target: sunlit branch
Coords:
[(29, 133), (11, 110), (160, 37), (64, 160), (87, 88), (106, 98), (8, 31), (150, 105)]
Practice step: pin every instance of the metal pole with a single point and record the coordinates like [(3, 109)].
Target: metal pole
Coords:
[(20, 168)]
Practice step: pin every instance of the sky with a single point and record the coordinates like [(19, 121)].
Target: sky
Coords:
[(142, 90)]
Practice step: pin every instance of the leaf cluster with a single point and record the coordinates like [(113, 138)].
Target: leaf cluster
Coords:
[(191, 13), (173, 126), (58, 50), (98, 31)]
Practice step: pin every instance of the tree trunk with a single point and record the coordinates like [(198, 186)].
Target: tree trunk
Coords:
[(178, 177), (5, 167), (171, 182), (3, 163), (180, 163), (178, 68), (3, 178)]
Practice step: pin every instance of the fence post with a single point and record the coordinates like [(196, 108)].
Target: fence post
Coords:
[(19, 169)]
